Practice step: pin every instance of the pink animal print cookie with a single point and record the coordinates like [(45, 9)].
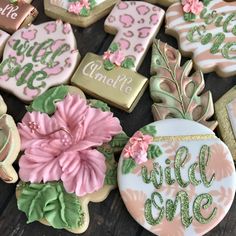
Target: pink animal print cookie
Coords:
[(78, 12), (3, 39), (38, 57), (176, 178), (113, 77), (205, 31)]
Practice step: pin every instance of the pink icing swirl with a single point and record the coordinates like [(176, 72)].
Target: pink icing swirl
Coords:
[(63, 146)]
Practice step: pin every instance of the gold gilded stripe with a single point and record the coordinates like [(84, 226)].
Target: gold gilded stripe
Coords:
[(184, 137)]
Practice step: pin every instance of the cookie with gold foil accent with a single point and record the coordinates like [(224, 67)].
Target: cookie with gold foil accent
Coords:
[(176, 178), (78, 12), (69, 145), (113, 77), (9, 145), (177, 93), (225, 112), (15, 14)]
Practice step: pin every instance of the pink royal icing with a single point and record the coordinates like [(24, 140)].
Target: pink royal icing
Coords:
[(136, 23), (63, 146), (193, 6), (137, 147), (35, 59)]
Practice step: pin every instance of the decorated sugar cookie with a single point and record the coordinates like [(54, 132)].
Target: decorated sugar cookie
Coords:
[(113, 77), (165, 3), (9, 145), (206, 31), (225, 109), (3, 39), (15, 14), (176, 93), (78, 12), (38, 57), (176, 178), (69, 144)]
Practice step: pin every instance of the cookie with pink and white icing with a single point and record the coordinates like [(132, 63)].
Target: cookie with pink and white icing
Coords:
[(135, 24), (176, 178), (3, 39), (38, 57), (69, 145), (78, 12), (113, 77), (206, 31)]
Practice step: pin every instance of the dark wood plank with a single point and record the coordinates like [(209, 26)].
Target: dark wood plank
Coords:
[(109, 217)]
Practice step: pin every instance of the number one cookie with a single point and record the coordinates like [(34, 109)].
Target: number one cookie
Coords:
[(113, 77)]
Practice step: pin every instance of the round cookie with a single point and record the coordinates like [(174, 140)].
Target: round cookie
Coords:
[(68, 158), (206, 33), (176, 178), (38, 57), (9, 145)]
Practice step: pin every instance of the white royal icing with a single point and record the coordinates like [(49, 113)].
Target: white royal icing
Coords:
[(135, 192)]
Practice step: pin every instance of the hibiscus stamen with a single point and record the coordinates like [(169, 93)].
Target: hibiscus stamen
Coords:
[(34, 128)]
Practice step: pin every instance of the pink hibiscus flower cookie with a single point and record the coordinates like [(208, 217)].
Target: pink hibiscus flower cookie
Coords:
[(69, 145)]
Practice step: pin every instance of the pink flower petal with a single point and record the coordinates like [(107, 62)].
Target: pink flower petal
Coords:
[(39, 164), (87, 174), (33, 128)]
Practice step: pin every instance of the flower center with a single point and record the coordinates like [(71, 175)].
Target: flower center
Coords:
[(66, 137), (34, 127)]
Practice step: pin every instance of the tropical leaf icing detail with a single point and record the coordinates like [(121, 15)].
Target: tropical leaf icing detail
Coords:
[(99, 104), (153, 151), (50, 201), (174, 92), (128, 165), (46, 102)]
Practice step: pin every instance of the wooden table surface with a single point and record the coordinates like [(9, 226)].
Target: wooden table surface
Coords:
[(109, 217)]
